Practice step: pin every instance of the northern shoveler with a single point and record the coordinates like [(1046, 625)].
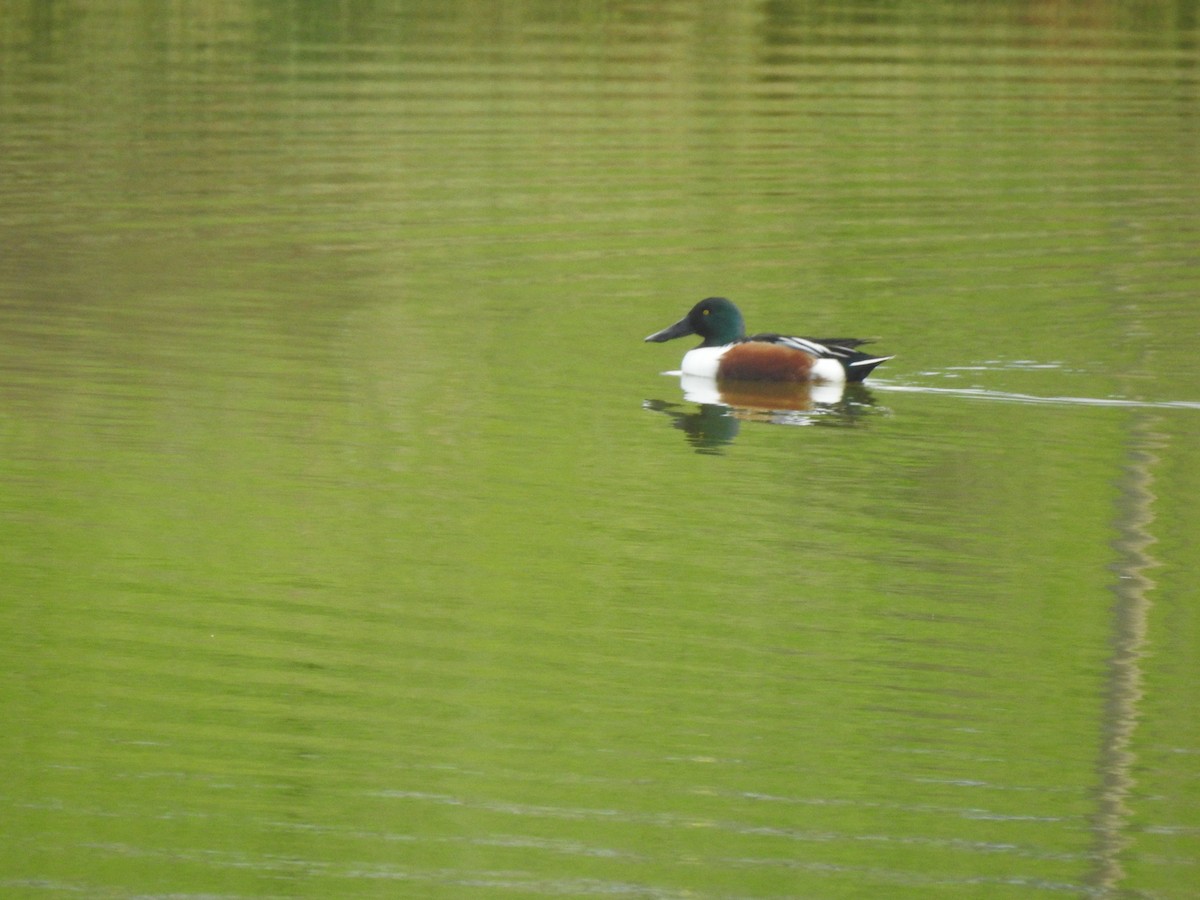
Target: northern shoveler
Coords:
[(727, 353)]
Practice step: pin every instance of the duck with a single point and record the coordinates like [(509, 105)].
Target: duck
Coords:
[(728, 354)]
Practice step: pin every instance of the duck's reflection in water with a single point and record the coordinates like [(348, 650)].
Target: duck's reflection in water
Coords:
[(723, 407)]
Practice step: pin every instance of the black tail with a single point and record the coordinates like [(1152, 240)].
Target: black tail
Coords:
[(860, 365)]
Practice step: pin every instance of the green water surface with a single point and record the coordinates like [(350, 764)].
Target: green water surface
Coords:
[(353, 543)]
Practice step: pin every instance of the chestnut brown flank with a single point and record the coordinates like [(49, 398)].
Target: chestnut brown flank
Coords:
[(760, 361)]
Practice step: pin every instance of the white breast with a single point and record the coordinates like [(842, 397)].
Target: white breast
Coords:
[(703, 361)]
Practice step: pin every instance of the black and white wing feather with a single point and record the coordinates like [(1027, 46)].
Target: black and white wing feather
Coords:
[(822, 348), (856, 363)]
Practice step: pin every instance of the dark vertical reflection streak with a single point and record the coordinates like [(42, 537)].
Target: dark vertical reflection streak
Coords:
[(1131, 611)]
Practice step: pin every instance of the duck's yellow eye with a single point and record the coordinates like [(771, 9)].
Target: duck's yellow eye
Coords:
[(706, 311)]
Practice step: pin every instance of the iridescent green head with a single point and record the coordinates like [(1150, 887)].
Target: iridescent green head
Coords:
[(716, 320)]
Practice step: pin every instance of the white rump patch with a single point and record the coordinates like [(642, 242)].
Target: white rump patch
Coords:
[(828, 370)]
